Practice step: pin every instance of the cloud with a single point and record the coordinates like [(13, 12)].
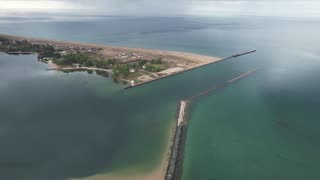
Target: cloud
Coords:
[(282, 8), (38, 6), (296, 8)]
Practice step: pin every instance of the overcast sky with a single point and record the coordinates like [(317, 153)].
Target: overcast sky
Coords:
[(285, 8)]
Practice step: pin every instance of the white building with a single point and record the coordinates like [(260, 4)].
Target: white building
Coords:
[(63, 53), (76, 65), (132, 83), (132, 70)]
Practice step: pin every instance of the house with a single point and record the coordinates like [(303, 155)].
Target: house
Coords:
[(76, 65), (132, 70), (63, 53)]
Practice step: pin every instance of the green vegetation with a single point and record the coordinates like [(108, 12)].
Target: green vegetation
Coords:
[(105, 64), (157, 61), (120, 71), (102, 73), (156, 65), (24, 46), (70, 59), (141, 63), (73, 70), (83, 58), (89, 71), (47, 51), (4, 40)]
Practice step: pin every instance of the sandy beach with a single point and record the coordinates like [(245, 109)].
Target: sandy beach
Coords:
[(187, 59)]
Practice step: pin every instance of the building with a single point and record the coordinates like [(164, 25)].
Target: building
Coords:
[(63, 53), (132, 70), (132, 83), (76, 65)]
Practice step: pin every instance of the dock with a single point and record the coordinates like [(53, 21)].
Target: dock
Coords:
[(202, 65), (175, 165)]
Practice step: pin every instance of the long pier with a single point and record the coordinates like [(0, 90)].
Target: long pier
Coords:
[(222, 85), (175, 165), (241, 54), (177, 141), (202, 65)]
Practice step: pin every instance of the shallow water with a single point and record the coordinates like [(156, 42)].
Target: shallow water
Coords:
[(58, 125)]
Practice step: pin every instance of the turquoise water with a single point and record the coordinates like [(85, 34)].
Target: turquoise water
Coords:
[(57, 125)]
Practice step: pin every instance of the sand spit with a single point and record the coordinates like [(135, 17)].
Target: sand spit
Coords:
[(186, 59), (174, 62)]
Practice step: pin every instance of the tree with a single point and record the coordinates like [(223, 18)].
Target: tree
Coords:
[(142, 62)]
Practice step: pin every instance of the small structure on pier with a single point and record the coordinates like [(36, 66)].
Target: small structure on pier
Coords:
[(132, 83)]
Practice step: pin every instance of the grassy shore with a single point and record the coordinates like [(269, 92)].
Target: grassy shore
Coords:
[(128, 64)]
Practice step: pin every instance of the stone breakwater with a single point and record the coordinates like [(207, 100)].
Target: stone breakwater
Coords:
[(174, 170), (183, 105), (176, 146)]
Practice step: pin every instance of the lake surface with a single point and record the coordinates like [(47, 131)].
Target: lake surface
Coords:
[(55, 125)]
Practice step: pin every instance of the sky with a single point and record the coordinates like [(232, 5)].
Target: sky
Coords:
[(282, 8)]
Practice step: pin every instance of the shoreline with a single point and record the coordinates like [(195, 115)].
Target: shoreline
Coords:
[(184, 55), (173, 62), (156, 64), (157, 173)]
